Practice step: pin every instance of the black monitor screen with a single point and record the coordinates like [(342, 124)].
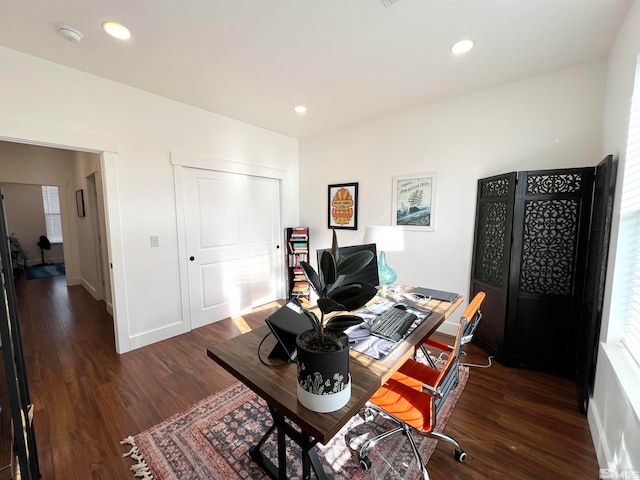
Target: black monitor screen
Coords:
[(368, 274)]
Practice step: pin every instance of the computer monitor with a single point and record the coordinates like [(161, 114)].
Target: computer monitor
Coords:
[(368, 274)]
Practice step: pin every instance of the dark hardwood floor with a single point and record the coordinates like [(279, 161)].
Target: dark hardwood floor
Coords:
[(513, 423)]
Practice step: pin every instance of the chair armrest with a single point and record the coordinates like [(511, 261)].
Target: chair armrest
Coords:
[(437, 344)]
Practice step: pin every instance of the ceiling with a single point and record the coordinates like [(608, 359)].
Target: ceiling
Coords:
[(346, 60)]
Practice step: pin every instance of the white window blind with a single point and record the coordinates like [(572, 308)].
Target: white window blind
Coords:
[(53, 221), (627, 290)]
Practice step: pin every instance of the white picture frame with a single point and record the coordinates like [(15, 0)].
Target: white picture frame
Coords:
[(414, 201)]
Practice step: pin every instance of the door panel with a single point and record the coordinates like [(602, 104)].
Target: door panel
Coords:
[(596, 268), (264, 239), (492, 251), (232, 222), (213, 207), (550, 232)]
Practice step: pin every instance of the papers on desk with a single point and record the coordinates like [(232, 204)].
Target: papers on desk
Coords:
[(361, 340)]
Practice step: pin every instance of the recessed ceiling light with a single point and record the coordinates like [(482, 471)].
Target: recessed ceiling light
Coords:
[(461, 47), (116, 30), (70, 33), (300, 109)]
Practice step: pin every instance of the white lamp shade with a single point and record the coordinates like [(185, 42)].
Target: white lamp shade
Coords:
[(386, 238)]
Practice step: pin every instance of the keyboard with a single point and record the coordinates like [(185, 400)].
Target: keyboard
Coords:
[(392, 324)]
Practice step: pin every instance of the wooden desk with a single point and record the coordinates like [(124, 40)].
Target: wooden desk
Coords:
[(277, 386)]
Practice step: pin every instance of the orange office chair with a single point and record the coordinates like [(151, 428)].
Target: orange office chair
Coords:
[(408, 398), (467, 336)]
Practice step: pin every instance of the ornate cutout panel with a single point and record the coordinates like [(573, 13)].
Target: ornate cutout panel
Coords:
[(495, 188), (555, 183), (548, 247), (492, 228)]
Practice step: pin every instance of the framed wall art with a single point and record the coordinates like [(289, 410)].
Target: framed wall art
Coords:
[(80, 202), (414, 201), (343, 206)]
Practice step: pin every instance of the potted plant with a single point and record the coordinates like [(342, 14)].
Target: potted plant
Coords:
[(323, 352)]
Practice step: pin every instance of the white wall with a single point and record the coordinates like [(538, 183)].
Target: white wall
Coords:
[(549, 121), (614, 410), (52, 104)]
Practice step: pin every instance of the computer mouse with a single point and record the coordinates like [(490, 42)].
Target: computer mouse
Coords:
[(401, 306)]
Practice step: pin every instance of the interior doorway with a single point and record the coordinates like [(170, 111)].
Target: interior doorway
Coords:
[(83, 250)]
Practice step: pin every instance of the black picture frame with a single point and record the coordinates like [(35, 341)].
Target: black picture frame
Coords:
[(342, 206), (80, 202)]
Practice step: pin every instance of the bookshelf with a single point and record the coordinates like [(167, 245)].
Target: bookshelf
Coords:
[(297, 241)]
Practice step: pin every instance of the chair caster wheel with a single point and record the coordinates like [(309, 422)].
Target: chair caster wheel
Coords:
[(365, 463), (460, 455)]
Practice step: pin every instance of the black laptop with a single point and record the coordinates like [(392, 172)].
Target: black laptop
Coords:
[(436, 294), (286, 324)]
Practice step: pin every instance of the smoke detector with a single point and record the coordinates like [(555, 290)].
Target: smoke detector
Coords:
[(70, 33)]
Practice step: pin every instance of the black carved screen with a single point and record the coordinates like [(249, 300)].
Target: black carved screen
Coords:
[(550, 231), (492, 246), (598, 252)]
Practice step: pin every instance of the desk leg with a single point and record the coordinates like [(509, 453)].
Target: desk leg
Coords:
[(310, 457), (282, 450)]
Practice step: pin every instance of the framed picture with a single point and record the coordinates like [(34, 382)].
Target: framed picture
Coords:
[(80, 202), (414, 201), (343, 206)]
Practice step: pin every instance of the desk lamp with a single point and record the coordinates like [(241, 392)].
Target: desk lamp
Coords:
[(387, 239)]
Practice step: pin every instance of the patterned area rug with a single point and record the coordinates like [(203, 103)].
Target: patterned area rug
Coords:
[(211, 440), (45, 271)]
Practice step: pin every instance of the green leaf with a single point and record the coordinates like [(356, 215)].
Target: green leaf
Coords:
[(340, 323), (354, 263), (334, 246), (354, 295), (328, 305), (312, 276), (335, 285), (328, 268), (314, 318)]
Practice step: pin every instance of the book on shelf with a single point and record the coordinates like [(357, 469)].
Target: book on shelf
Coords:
[(300, 287), (297, 240), (298, 247), (299, 233), (295, 259)]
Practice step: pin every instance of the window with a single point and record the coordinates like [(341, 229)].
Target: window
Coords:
[(626, 288), (53, 221)]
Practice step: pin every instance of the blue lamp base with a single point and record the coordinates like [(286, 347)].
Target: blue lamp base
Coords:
[(387, 276)]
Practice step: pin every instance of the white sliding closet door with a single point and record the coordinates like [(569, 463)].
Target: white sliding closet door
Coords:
[(233, 234)]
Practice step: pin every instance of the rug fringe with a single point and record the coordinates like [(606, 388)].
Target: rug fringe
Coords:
[(140, 469)]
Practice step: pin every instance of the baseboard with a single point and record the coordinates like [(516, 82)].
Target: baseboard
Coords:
[(147, 338), (598, 434), (614, 411), (91, 289)]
